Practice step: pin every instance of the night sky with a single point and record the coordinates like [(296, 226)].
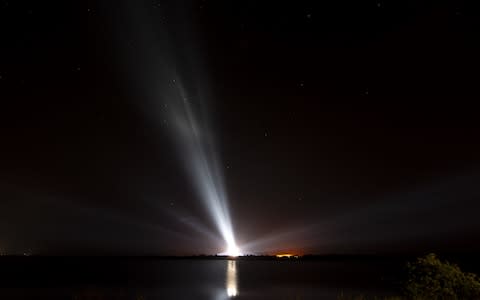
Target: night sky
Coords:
[(338, 126)]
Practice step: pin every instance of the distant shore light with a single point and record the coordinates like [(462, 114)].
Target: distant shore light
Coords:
[(286, 255)]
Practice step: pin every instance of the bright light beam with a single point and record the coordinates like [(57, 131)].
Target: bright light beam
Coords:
[(162, 54), (201, 161)]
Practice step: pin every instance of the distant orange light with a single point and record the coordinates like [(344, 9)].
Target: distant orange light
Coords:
[(286, 255)]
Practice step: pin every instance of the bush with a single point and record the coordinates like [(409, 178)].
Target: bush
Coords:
[(430, 278)]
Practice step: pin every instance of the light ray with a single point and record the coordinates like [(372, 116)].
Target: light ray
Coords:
[(194, 139)]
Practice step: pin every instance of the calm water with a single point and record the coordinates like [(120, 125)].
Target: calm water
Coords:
[(195, 279)]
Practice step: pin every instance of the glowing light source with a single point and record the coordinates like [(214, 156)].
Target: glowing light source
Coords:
[(233, 250), (286, 255)]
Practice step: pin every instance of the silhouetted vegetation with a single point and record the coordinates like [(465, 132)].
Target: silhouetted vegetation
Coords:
[(431, 278)]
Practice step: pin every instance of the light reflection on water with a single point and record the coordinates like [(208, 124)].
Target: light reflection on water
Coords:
[(231, 282), (203, 279)]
